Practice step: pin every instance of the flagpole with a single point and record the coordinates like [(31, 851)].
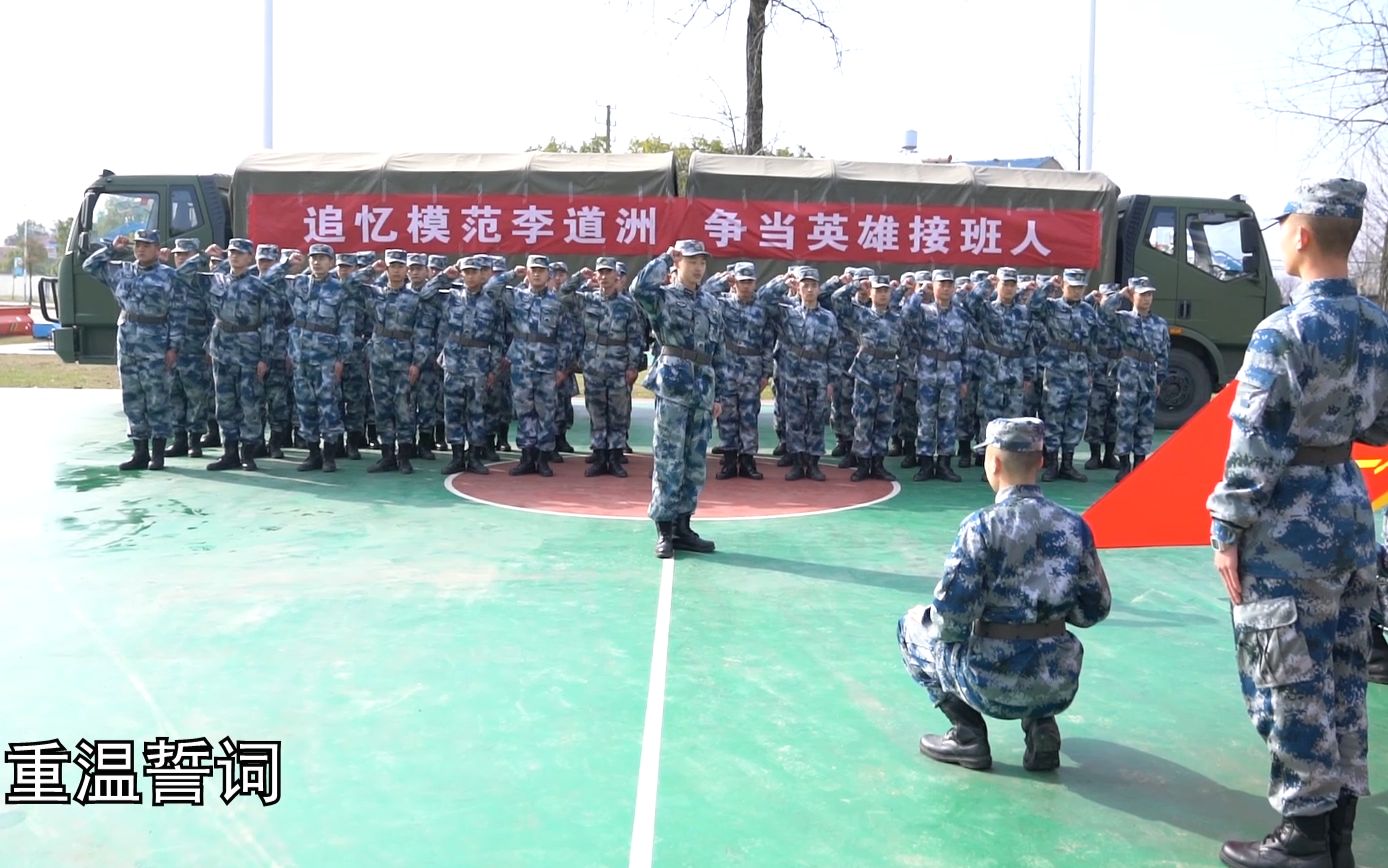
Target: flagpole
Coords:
[(268, 100), (1089, 100)]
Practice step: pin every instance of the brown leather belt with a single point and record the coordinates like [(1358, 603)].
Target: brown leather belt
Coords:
[(995, 630), (146, 320), (612, 342), (236, 328), (743, 349), (314, 327), (939, 356), (1321, 456), (1003, 351), (878, 354), (694, 356), (469, 342), (538, 339), (1071, 346), (821, 356), (1140, 356), (397, 334), (1112, 355)]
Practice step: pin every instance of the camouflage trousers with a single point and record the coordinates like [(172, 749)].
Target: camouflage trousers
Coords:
[(1102, 422), (1000, 392), (279, 397), (535, 397), (393, 397), (874, 413), (608, 400), (429, 395), (144, 394), (318, 401), (564, 394), (1066, 408), (240, 394), (907, 414), (678, 444), (356, 393), (741, 410), (937, 401), (807, 412), (778, 407), (1035, 403), (465, 408), (190, 394), (1302, 647), (498, 402), (1137, 411), (841, 408), (970, 405)]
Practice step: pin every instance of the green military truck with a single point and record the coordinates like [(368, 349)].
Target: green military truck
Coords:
[(1206, 256)]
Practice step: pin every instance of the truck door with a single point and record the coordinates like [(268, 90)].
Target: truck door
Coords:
[(1220, 291)]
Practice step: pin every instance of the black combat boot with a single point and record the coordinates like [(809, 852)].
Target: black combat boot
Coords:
[(615, 460), (542, 460), (259, 449), (426, 444), (278, 439), (488, 447), (925, 468), (863, 470), (595, 452), (665, 539), (440, 434), (944, 471), (156, 458), (180, 446), (1096, 456), (894, 448), (404, 451), (229, 459), (526, 463), (139, 457), (561, 442), (780, 447), (600, 464), (355, 441), (966, 453), (474, 462), (842, 446), (717, 450), (214, 436), (966, 744), (747, 466), (332, 447), (1052, 467), (1124, 468), (502, 444), (798, 460), (1067, 468), (848, 462), (812, 468), (386, 462), (879, 472), (555, 456), (788, 459), (248, 451), (373, 439), (314, 461), (1043, 744), (685, 539), (1341, 831), (460, 460), (728, 468), (1298, 842), (1138, 458), (1110, 460), (1378, 655), (908, 451), (194, 444)]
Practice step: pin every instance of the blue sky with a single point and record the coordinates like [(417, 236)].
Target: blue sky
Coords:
[(1182, 94)]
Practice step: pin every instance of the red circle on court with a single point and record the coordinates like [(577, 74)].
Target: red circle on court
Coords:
[(569, 492)]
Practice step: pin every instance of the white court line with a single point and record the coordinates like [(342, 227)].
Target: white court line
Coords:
[(648, 777)]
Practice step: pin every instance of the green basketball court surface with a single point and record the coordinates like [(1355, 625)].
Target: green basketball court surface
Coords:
[(456, 683)]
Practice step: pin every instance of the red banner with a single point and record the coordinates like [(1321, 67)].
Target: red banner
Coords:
[(634, 226)]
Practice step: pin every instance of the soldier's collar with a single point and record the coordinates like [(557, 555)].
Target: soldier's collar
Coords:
[(1012, 491), (1332, 287)]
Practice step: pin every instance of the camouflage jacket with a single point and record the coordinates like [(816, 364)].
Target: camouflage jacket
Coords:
[(470, 333), (544, 337), (1144, 342), (1069, 332), (1004, 330), (152, 318), (245, 328), (877, 336), (403, 327), (687, 321), (936, 339), (614, 333)]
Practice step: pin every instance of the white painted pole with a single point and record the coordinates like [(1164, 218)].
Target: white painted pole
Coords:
[(1089, 100), (268, 122)]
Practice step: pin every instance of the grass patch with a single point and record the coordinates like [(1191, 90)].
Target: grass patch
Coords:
[(47, 371)]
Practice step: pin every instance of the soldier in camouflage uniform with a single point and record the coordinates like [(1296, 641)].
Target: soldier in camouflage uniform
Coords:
[(542, 354), (243, 342), (994, 641), (877, 372), (191, 392), (568, 389), (688, 325), (1378, 617), (279, 382), (356, 391), (437, 265), (1070, 329), (1293, 532), (428, 392), (1145, 345), (1007, 363), (747, 368), (470, 335), (807, 336), (402, 338), (499, 410), (968, 425), (1101, 427), (841, 407), (152, 322), (614, 335), (937, 340), (907, 413)]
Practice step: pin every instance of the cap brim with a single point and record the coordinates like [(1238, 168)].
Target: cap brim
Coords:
[(982, 447)]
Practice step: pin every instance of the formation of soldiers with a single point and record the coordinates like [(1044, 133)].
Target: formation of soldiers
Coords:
[(265, 349)]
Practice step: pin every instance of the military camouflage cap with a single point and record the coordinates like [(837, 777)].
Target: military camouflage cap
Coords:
[(621, 268), (942, 275), (744, 271), (1337, 197), (908, 277), (558, 267), (365, 258), (862, 274), (605, 263), (1109, 288), (978, 276), (880, 280), (498, 263), (413, 259), (347, 259), (1076, 277), (922, 276), (1142, 284), (690, 247), (477, 262), (267, 251), (394, 255), (537, 260), (320, 250), (146, 236), (1025, 278), (439, 261), (289, 252), (1023, 434), (807, 272), (1005, 274), (240, 245), (185, 245)]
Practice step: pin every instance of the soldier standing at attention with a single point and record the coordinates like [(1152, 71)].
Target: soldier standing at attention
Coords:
[(876, 369), (807, 336), (402, 338), (1070, 329), (279, 382), (151, 327), (937, 334), (191, 393), (688, 325), (993, 641), (1101, 427), (747, 369), (355, 391), (1293, 532), (471, 337), (320, 343), (1145, 344)]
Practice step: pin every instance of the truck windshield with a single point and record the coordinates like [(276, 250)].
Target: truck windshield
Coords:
[(1214, 244), (123, 213)]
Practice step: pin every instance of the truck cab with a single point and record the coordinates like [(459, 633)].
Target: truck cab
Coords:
[(179, 206), (1214, 285)]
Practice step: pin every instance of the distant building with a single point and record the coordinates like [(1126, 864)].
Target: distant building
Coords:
[(1019, 163)]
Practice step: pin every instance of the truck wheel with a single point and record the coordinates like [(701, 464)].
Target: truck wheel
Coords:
[(1186, 390)]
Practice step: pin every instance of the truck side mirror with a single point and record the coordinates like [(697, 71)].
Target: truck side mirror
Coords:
[(84, 240), (1251, 239)]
